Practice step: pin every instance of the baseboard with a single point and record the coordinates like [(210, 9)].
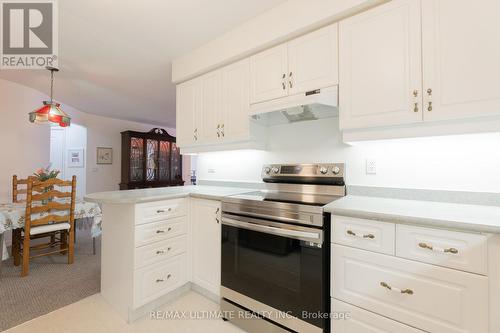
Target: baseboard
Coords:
[(161, 301), (206, 293)]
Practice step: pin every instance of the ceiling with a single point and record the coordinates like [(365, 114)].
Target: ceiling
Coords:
[(115, 56)]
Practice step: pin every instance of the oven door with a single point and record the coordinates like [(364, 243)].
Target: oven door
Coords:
[(280, 265)]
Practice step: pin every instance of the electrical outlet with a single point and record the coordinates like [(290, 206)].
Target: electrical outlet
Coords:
[(371, 166)]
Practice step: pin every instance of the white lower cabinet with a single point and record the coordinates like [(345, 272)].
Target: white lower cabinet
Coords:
[(431, 298), (369, 235), (145, 257), (156, 280), (351, 319), (206, 244), (463, 251)]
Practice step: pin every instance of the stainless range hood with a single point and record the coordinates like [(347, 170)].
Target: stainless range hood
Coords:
[(312, 105)]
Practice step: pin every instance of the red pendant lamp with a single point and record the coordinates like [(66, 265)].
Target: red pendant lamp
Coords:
[(50, 111)]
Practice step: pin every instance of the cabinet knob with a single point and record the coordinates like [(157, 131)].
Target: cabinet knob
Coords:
[(290, 80), (429, 92)]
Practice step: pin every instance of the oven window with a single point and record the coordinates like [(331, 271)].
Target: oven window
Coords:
[(284, 273)]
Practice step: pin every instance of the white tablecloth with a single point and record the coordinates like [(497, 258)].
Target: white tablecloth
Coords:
[(12, 217)]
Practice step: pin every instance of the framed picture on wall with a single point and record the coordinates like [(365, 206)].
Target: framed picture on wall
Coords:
[(76, 158), (104, 155)]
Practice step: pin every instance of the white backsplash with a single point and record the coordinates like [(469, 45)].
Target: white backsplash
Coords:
[(457, 163)]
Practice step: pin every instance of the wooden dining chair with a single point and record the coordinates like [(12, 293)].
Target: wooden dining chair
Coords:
[(17, 192), (46, 197)]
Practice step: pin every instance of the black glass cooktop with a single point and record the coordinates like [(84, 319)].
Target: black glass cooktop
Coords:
[(288, 197)]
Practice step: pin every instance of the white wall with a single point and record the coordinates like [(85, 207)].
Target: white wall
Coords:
[(283, 22), (462, 163), (26, 146)]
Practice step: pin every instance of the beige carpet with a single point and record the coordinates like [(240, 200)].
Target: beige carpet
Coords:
[(51, 284)]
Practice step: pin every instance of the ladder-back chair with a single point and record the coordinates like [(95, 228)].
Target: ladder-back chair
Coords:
[(49, 210)]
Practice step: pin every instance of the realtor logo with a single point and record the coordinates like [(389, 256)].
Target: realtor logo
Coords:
[(28, 34)]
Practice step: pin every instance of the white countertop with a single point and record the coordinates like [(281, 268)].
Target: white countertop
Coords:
[(426, 213), (164, 193)]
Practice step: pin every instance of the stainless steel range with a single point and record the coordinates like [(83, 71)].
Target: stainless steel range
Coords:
[(276, 250)]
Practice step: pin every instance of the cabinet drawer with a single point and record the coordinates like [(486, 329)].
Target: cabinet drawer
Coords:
[(154, 232), (154, 281), (160, 210), (364, 234), (464, 251), (362, 321), (153, 253), (431, 298)]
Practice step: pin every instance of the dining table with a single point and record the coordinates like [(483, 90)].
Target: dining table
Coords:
[(12, 216)]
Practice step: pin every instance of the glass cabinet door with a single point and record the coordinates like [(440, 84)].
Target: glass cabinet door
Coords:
[(176, 163), (136, 159), (151, 160), (164, 161)]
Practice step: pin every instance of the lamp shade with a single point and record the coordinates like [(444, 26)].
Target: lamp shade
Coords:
[(50, 112)]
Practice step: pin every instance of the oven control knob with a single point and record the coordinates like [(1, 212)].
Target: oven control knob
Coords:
[(267, 170), (336, 170), (275, 170), (323, 170)]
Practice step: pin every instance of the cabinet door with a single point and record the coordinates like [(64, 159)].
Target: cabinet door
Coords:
[(210, 107), (235, 101), (268, 72), (188, 110), (362, 321), (461, 57), (313, 60), (206, 243), (380, 66)]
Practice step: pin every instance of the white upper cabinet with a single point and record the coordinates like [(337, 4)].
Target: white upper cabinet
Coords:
[(313, 60), (235, 101), (380, 66), (268, 73), (306, 63), (461, 57), (188, 112), (213, 109), (211, 93)]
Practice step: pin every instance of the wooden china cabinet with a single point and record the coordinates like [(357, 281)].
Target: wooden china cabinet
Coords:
[(150, 159)]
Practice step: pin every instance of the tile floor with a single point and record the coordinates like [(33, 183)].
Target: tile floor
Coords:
[(94, 315)]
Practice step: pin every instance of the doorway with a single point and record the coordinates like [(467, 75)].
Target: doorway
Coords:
[(68, 153)]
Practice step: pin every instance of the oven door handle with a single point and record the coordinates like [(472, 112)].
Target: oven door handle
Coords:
[(314, 237)]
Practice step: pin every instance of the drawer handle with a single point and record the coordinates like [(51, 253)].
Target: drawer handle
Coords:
[(401, 291), (162, 251), (451, 250), (352, 233), (160, 231), (163, 280), (160, 211)]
